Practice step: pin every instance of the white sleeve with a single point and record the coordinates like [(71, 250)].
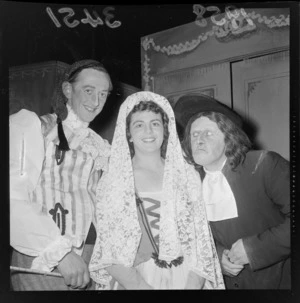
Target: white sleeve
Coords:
[(31, 232)]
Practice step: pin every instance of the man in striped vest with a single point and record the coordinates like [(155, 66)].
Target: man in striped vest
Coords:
[(56, 161)]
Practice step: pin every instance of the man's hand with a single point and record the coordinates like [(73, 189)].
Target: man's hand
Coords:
[(237, 253), (74, 271), (228, 268)]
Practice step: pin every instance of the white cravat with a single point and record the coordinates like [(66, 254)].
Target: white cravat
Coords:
[(218, 197)]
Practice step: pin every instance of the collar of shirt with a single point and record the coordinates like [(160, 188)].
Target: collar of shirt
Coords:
[(73, 120), (218, 196)]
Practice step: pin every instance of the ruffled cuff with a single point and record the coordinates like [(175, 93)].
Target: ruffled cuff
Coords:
[(50, 257)]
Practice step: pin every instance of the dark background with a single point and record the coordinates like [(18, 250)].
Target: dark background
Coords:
[(28, 35), (31, 36)]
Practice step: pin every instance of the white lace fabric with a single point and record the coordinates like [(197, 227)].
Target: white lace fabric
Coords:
[(183, 223)]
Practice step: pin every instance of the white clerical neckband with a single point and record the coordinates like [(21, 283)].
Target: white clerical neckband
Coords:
[(218, 196)]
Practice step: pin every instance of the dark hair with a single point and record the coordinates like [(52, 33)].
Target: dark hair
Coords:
[(153, 107), (73, 74), (237, 143), (60, 101)]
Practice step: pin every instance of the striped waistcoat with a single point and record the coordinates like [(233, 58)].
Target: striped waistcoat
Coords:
[(67, 192)]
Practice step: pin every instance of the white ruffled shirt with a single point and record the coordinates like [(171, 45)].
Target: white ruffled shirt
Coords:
[(218, 196)]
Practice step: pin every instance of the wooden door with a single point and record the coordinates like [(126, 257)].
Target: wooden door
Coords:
[(212, 80), (261, 95)]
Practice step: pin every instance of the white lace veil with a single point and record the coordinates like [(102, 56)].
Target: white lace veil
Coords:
[(184, 228)]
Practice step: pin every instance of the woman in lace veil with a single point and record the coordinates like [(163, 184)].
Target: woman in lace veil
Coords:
[(152, 231)]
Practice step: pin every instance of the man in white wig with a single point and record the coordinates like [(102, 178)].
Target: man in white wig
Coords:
[(152, 231)]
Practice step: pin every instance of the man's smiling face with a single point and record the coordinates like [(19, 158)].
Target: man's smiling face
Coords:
[(89, 93)]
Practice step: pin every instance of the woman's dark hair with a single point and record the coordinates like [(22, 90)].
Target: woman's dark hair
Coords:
[(237, 143), (155, 108), (60, 101)]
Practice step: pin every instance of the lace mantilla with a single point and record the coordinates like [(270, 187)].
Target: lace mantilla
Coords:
[(183, 225)]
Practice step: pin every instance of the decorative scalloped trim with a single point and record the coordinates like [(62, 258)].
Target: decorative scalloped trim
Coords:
[(146, 76), (216, 30), (34, 69)]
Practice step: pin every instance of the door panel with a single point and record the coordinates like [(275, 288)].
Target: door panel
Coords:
[(261, 96), (212, 80)]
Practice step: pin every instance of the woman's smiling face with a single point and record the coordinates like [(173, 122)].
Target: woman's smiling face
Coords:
[(147, 131)]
